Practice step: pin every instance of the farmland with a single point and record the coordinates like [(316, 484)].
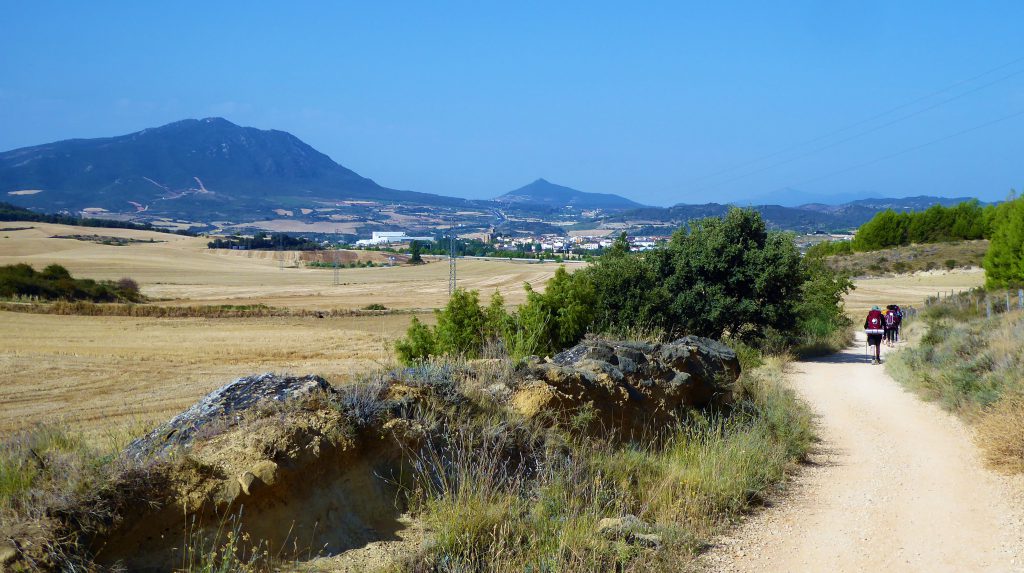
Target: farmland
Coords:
[(95, 372)]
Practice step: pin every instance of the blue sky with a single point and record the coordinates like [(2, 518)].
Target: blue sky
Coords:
[(660, 102)]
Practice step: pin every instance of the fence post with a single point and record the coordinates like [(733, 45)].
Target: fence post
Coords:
[(1020, 298), (988, 307), (1007, 301)]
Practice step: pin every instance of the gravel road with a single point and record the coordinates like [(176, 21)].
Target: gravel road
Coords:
[(896, 484)]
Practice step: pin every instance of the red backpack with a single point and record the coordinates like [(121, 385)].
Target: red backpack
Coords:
[(874, 319), (890, 319)]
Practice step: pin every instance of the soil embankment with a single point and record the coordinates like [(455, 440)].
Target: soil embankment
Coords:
[(896, 484)]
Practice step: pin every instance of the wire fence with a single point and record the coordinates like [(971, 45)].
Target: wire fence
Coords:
[(979, 301)]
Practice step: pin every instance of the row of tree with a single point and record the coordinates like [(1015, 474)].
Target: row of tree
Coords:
[(717, 277), (263, 241), (56, 283), (937, 224), (9, 212)]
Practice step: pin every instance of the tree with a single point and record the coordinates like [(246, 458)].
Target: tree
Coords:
[(730, 275), (1004, 261), (558, 317), (415, 250), (418, 343)]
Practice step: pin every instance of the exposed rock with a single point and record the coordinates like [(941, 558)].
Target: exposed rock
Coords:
[(8, 554), (633, 387), (651, 540), (620, 527), (221, 408)]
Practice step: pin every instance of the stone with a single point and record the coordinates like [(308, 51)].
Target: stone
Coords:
[(620, 527), (634, 387), (222, 407), (8, 554)]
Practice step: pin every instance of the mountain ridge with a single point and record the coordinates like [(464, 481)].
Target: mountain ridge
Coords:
[(543, 192)]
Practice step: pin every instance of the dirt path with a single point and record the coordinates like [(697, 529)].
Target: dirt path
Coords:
[(895, 485)]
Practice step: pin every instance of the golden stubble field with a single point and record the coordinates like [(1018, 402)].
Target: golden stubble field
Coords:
[(97, 372)]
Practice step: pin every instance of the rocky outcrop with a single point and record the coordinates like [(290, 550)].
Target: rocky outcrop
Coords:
[(631, 388), (220, 409)]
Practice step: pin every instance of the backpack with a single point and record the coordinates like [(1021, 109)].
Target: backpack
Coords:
[(875, 319), (890, 319)]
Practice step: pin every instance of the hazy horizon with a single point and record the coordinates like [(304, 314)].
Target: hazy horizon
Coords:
[(661, 104)]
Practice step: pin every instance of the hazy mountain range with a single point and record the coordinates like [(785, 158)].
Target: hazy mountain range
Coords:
[(213, 170)]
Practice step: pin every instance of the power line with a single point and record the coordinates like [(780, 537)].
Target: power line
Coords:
[(862, 122), (909, 149), (861, 134)]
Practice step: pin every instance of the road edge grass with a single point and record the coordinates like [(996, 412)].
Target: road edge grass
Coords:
[(971, 366)]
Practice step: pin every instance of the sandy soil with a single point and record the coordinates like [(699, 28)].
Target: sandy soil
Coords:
[(896, 484)]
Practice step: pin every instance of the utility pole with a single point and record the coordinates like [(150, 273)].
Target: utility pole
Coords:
[(451, 263), (334, 259)]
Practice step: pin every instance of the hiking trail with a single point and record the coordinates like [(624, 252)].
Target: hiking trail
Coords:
[(896, 484)]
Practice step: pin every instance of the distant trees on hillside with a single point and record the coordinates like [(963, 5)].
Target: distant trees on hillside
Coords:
[(9, 212), (965, 221), (263, 241)]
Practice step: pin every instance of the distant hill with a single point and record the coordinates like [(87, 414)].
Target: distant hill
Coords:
[(192, 168), (545, 193), (807, 218)]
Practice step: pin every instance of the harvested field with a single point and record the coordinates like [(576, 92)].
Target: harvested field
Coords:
[(100, 372), (908, 290), (182, 271)]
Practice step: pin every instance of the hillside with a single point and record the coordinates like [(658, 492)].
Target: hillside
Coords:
[(808, 218), (545, 193), (192, 168)]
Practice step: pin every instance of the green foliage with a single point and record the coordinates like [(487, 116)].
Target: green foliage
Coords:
[(722, 276), (415, 253), (262, 241), (560, 316), (1004, 261), (937, 224), (731, 275), (56, 283), (830, 248)]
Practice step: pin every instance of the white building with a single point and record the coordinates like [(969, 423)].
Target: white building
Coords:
[(388, 237)]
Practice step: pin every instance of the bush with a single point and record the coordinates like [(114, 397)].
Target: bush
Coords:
[(56, 283)]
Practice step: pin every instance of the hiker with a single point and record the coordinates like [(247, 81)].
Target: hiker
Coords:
[(889, 317), (874, 327), (899, 323)]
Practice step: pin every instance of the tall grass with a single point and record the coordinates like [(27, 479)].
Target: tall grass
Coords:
[(972, 366), (500, 496)]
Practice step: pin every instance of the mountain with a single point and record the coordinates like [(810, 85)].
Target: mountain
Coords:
[(545, 193), (209, 167)]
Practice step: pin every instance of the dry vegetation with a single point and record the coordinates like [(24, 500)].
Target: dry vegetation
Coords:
[(912, 259), (908, 290), (100, 372), (972, 366)]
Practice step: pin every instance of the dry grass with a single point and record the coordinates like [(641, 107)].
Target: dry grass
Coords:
[(972, 366), (98, 372), (907, 290), (912, 258), (1000, 433)]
